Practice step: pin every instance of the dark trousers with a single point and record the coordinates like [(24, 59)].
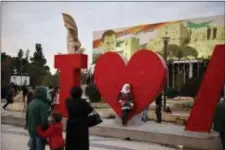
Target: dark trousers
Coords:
[(222, 137), (7, 103), (158, 113), (58, 149), (125, 116)]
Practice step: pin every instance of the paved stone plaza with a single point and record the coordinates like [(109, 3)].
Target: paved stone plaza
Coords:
[(165, 133), (16, 138)]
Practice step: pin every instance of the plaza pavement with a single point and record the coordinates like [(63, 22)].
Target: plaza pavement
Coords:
[(165, 133), (16, 138)]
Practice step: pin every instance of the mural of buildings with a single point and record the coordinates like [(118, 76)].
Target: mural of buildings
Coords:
[(188, 39)]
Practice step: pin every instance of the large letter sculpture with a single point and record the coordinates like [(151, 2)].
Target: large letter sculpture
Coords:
[(147, 74), (70, 69), (209, 93), (70, 64)]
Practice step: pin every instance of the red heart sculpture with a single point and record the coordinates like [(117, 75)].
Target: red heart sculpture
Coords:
[(146, 72)]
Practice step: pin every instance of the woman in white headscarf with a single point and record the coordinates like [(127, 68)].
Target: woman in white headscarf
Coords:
[(126, 101)]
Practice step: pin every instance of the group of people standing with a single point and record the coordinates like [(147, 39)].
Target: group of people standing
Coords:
[(125, 98), (42, 132)]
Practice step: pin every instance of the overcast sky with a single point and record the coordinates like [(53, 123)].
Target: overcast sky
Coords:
[(27, 23)]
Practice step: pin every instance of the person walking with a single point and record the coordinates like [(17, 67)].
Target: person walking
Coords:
[(158, 109), (9, 97), (37, 114), (219, 121), (24, 92), (55, 97), (30, 97), (54, 133), (77, 133)]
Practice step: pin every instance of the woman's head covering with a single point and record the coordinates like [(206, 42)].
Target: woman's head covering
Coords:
[(76, 92), (126, 88)]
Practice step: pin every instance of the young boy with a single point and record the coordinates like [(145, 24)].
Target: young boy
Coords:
[(53, 133)]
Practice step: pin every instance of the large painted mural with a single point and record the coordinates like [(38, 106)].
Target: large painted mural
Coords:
[(188, 39)]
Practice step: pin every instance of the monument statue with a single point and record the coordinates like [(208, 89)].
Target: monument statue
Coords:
[(73, 42)]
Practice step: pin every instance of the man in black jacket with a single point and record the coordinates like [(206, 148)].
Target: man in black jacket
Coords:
[(9, 97), (219, 120), (158, 108), (25, 91)]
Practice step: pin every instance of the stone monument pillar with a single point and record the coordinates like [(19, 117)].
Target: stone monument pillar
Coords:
[(73, 42)]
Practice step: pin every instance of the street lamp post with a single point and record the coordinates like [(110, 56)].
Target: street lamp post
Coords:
[(21, 71), (165, 52)]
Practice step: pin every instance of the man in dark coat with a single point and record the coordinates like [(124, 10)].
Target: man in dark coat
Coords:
[(24, 91), (77, 134), (158, 108), (9, 97), (219, 120), (30, 97)]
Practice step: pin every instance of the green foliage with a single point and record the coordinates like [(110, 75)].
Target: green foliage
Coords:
[(20, 54), (6, 70), (174, 51), (36, 68), (92, 92), (189, 51), (181, 52), (52, 80), (172, 92)]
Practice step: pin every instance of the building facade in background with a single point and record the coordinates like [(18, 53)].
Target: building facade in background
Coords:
[(191, 42)]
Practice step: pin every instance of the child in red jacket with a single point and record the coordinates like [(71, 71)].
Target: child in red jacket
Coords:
[(54, 133)]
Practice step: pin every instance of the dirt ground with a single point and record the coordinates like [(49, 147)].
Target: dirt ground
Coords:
[(179, 115)]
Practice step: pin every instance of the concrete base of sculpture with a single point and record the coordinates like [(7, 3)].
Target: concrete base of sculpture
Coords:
[(134, 121)]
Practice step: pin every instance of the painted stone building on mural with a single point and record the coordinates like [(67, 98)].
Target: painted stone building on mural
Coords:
[(191, 37), (195, 38), (190, 43)]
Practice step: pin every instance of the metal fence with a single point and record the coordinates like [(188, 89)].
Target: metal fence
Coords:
[(180, 72)]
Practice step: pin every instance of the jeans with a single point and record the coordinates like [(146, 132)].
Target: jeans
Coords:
[(222, 137), (37, 143), (145, 115)]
